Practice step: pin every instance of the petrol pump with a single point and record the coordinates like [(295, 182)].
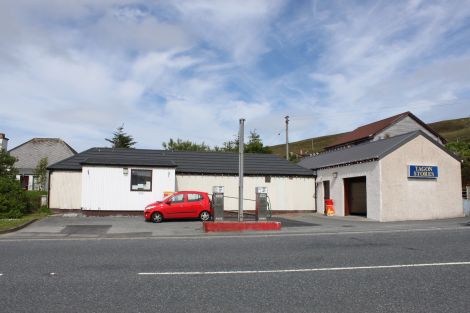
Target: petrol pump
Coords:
[(261, 203), (218, 203)]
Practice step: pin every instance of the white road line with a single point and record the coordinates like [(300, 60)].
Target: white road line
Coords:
[(325, 269), (1, 274)]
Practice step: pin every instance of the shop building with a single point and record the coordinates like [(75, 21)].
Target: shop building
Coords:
[(126, 180), (409, 176)]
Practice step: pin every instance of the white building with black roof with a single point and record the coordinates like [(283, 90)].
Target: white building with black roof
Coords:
[(125, 180), (410, 176)]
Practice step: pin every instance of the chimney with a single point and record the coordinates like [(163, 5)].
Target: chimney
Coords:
[(3, 142)]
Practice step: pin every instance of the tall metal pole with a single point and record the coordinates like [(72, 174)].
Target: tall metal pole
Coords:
[(241, 148), (287, 137)]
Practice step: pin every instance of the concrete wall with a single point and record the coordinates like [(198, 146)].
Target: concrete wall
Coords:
[(372, 172), (286, 194), (404, 126), (65, 190), (108, 188), (406, 198)]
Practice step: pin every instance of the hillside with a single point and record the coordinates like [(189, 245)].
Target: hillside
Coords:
[(451, 130)]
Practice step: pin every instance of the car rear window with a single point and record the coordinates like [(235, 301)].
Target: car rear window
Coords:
[(194, 197)]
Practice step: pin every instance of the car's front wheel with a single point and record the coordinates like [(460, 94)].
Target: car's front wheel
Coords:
[(156, 217), (205, 216)]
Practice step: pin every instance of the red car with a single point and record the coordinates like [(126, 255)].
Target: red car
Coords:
[(181, 204)]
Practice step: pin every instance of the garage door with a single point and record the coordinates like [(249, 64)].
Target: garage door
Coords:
[(356, 196)]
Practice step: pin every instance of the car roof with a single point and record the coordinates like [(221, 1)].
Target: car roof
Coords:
[(190, 191)]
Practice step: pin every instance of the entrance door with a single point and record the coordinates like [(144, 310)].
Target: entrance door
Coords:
[(24, 180), (326, 189), (355, 196)]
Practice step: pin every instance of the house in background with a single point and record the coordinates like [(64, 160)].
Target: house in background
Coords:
[(3, 142), (31, 152), (389, 127)]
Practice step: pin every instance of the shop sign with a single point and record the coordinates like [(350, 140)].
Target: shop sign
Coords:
[(422, 171)]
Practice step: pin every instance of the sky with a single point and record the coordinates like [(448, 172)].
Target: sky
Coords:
[(77, 70)]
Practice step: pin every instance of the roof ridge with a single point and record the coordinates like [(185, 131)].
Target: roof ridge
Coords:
[(388, 121)]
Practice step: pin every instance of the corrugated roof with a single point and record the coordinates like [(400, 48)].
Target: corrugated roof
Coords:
[(368, 151), (186, 162), (370, 130)]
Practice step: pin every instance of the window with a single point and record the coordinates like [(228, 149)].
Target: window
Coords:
[(141, 180), (177, 198), (35, 183), (267, 179), (194, 197)]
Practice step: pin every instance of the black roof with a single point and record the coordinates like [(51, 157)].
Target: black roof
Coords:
[(370, 151), (185, 162)]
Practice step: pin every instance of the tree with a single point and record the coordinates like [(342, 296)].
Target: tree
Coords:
[(121, 139), (462, 149), (230, 146), (13, 199), (41, 173), (7, 162), (255, 144), (184, 145)]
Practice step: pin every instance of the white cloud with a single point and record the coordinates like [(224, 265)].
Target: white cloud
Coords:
[(191, 69)]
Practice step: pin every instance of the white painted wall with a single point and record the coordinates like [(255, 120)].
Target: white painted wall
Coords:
[(372, 172), (107, 188), (404, 126), (418, 199), (285, 194), (65, 190), (3, 144)]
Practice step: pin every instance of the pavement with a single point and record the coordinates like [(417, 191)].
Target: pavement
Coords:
[(73, 225)]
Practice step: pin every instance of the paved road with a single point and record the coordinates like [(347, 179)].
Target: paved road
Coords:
[(297, 273)]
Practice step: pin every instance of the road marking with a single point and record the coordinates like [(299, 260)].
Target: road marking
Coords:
[(325, 269), (1, 274)]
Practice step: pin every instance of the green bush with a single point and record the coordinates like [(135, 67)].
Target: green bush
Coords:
[(34, 200), (13, 201), (44, 209)]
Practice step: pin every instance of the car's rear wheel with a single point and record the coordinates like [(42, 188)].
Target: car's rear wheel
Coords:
[(156, 217), (205, 216)]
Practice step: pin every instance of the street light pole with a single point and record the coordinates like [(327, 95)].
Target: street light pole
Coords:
[(287, 137), (241, 148)]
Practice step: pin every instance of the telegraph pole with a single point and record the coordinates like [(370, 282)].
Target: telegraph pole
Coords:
[(287, 137), (241, 148)]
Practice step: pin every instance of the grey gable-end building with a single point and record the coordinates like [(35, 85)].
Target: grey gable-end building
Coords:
[(124, 180), (31, 152), (406, 177)]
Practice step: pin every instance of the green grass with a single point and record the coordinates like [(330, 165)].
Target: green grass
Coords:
[(310, 145), (451, 130), (9, 223)]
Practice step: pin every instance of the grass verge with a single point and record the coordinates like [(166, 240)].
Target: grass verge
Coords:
[(9, 223)]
